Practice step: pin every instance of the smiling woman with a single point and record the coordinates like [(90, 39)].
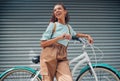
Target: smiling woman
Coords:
[(60, 10), (54, 52)]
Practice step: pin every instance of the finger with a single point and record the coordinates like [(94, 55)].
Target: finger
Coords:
[(91, 41)]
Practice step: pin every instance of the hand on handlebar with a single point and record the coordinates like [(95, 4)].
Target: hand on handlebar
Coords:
[(90, 39)]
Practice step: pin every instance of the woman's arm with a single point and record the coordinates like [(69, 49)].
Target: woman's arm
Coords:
[(90, 39), (49, 42)]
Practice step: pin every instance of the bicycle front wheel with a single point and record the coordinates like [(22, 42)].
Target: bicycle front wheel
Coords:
[(103, 74), (19, 75)]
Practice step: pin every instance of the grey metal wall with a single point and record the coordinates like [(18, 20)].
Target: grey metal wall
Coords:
[(23, 22)]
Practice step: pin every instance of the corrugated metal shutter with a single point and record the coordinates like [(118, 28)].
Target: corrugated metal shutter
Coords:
[(23, 22)]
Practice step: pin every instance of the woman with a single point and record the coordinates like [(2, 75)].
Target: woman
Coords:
[(53, 60)]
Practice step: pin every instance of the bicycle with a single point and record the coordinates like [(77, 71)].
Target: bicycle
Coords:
[(91, 72)]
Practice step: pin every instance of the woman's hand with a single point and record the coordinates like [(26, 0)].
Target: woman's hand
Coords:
[(65, 36), (90, 39)]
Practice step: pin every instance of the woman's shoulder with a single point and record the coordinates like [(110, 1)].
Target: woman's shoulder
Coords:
[(51, 23)]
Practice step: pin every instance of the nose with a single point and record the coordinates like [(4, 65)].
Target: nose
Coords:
[(57, 10)]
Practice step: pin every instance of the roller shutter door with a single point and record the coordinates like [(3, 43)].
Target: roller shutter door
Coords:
[(23, 22)]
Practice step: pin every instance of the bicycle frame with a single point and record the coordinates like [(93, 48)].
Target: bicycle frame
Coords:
[(84, 58)]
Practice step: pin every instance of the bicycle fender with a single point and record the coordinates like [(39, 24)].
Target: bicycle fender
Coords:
[(20, 67), (101, 65)]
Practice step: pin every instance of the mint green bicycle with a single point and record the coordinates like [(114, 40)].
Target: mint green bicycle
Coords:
[(91, 72)]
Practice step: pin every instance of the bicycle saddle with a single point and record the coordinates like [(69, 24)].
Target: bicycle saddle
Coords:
[(36, 59)]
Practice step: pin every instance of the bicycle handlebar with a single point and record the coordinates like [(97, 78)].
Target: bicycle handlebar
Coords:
[(79, 39)]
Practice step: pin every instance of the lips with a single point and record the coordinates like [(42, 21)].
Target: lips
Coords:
[(58, 14)]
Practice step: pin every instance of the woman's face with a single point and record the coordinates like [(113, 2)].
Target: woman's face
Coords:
[(59, 12)]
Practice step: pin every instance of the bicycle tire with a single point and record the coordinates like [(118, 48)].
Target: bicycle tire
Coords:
[(19, 75), (103, 74)]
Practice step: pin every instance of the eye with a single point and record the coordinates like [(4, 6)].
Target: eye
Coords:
[(59, 8), (54, 10)]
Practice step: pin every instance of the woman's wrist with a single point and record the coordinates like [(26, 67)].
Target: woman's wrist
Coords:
[(86, 35), (58, 38)]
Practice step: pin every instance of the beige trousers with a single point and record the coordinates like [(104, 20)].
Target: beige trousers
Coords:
[(54, 62)]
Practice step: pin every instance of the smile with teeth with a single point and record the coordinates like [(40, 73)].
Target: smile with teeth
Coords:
[(58, 14)]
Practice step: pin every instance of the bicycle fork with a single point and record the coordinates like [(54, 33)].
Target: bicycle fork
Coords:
[(35, 76), (90, 65), (93, 71)]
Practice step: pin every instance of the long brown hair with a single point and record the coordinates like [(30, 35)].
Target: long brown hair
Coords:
[(54, 19)]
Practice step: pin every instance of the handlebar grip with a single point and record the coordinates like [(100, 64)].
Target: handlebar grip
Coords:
[(78, 39), (75, 38)]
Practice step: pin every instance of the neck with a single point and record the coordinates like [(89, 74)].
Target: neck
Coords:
[(61, 21)]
